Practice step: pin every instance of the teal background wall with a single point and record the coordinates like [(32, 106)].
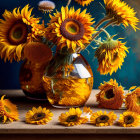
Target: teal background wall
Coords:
[(128, 76)]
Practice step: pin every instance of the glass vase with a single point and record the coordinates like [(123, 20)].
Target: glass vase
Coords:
[(31, 80), (68, 80)]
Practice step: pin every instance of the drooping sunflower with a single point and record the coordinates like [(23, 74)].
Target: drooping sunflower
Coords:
[(132, 100), (16, 29), (120, 12), (72, 117), (39, 116), (111, 95), (110, 55), (129, 119), (100, 118), (84, 2), (70, 28), (8, 111)]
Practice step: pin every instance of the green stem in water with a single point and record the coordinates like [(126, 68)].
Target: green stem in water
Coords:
[(69, 1)]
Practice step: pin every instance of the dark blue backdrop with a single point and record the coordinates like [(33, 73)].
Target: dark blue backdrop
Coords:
[(128, 76)]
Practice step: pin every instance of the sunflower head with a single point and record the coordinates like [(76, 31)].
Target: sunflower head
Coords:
[(110, 55), (70, 28), (132, 100), (8, 111), (103, 118), (37, 52), (16, 29), (129, 119), (73, 117), (39, 116), (111, 95), (120, 12), (84, 2)]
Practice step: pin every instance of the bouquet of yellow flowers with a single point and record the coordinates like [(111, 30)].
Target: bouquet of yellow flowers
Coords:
[(65, 74)]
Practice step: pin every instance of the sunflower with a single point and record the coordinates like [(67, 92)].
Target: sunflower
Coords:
[(18, 28), (110, 55), (129, 119), (37, 52), (70, 28), (87, 110), (84, 2), (73, 117), (39, 116), (132, 100), (111, 95), (8, 111), (100, 118), (120, 12)]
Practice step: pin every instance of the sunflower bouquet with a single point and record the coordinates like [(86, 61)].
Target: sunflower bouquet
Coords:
[(68, 77)]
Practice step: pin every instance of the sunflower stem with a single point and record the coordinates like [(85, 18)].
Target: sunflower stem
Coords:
[(101, 30), (69, 1), (108, 35), (101, 22)]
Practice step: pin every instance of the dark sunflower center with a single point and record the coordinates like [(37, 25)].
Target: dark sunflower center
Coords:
[(128, 119), (7, 109), (102, 119), (38, 116), (72, 118), (109, 94), (138, 100), (72, 29), (17, 33)]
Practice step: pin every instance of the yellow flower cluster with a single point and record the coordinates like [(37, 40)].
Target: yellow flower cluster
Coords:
[(75, 116)]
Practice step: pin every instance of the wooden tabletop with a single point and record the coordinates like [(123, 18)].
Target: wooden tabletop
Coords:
[(53, 127)]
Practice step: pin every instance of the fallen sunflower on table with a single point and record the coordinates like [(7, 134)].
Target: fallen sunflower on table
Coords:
[(70, 28), (111, 95), (129, 119), (39, 116), (16, 29), (100, 118), (84, 2), (8, 111), (132, 100), (72, 117)]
